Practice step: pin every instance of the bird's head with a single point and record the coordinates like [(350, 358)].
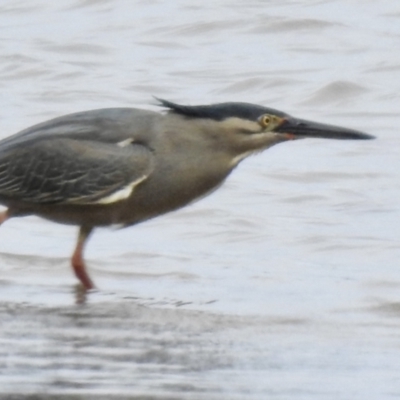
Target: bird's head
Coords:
[(250, 127)]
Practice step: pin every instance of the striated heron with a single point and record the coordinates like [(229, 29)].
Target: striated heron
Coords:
[(124, 165)]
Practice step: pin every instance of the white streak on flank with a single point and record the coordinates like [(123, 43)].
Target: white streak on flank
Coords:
[(125, 142), (121, 194)]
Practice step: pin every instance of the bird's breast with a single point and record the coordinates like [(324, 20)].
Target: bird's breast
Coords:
[(173, 184)]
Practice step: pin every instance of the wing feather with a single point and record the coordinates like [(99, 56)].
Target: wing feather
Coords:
[(69, 171)]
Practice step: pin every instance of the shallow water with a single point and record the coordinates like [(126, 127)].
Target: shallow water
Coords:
[(284, 284)]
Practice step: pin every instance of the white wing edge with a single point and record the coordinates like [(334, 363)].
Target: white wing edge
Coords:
[(121, 194)]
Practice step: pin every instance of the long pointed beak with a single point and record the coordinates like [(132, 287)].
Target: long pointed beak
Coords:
[(301, 128)]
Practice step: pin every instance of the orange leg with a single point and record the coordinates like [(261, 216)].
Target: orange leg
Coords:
[(77, 258), (4, 215)]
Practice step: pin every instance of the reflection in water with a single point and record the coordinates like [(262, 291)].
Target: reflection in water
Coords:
[(81, 294)]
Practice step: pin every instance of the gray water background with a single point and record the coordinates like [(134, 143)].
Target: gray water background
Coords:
[(283, 284)]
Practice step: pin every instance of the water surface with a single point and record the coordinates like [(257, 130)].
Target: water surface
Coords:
[(284, 284)]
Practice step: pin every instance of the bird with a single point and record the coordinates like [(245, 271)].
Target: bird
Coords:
[(124, 166)]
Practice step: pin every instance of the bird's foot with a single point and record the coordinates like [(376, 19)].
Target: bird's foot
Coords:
[(79, 268)]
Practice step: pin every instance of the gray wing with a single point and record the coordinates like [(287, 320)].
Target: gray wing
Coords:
[(68, 171), (107, 125)]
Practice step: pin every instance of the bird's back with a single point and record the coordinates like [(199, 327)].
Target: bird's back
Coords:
[(109, 125)]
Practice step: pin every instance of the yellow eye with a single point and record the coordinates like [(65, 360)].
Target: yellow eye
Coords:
[(265, 120)]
